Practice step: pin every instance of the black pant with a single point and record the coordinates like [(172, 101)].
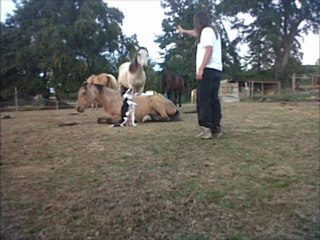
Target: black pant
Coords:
[(208, 103)]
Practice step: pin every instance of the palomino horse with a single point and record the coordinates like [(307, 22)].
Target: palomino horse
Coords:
[(132, 74), (172, 82), (193, 95), (104, 79), (149, 108)]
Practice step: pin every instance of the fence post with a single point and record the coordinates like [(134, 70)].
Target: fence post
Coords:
[(16, 98), (294, 83), (313, 84)]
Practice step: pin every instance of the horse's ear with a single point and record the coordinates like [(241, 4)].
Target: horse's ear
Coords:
[(136, 47), (84, 84)]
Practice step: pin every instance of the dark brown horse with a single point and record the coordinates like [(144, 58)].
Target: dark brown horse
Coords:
[(173, 83)]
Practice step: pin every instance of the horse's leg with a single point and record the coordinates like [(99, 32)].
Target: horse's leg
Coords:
[(141, 89), (175, 97), (160, 109), (103, 120), (172, 99), (146, 118), (179, 97), (106, 120), (169, 94)]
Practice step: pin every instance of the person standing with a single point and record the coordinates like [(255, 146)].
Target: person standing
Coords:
[(208, 75)]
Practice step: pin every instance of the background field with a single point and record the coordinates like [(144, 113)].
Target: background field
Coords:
[(157, 181)]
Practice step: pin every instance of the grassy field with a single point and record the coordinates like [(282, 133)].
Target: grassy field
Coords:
[(158, 181)]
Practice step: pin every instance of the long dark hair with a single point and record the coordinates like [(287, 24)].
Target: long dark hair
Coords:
[(201, 20)]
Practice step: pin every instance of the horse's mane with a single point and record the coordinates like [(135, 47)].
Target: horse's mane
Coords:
[(144, 48), (99, 88)]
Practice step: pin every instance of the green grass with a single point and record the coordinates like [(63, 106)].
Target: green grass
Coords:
[(288, 97), (35, 229), (193, 236)]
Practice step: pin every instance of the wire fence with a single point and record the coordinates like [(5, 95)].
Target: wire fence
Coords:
[(301, 85), (24, 102)]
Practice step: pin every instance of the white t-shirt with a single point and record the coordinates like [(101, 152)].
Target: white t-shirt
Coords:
[(208, 38)]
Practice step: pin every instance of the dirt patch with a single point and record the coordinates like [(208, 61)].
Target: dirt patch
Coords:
[(157, 180)]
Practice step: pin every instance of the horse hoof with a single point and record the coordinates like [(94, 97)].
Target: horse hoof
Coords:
[(146, 118), (102, 121)]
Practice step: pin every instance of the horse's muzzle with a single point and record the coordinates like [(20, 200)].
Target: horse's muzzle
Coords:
[(79, 109)]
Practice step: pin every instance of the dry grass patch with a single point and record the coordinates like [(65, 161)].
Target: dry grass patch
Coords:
[(157, 181)]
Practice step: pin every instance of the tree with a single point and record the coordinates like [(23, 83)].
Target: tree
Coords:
[(273, 33), (49, 44), (153, 78), (179, 50)]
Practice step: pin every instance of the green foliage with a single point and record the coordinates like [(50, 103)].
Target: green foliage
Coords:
[(272, 34), (153, 79), (46, 44), (179, 50), (309, 69)]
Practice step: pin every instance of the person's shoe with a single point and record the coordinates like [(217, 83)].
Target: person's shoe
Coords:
[(217, 135), (204, 131), (207, 135), (217, 132)]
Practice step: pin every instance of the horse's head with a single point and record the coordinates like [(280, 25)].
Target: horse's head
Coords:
[(142, 57), (85, 98)]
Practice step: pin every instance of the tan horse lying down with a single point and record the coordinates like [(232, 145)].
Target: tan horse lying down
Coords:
[(149, 108)]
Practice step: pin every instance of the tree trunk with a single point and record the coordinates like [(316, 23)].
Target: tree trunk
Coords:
[(46, 94), (283, 54)]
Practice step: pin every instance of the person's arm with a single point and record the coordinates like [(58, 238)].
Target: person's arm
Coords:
[(205, 60), (191, 32)]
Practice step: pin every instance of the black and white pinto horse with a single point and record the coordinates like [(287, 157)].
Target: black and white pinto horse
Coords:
[(132, 74)]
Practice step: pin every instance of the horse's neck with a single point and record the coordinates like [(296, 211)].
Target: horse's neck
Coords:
[(135, 68), (107, 97)]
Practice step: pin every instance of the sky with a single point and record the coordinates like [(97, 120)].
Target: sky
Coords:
[(144, 18)]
